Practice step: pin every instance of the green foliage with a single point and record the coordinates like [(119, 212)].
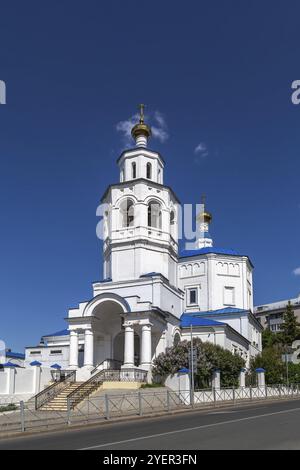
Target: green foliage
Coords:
[(290, 327), (209, 357), (294, 373), (270, 360), (10, 407), (269, 338), (153, 385)]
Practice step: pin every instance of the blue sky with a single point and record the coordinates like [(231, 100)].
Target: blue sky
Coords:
[(219, 73)]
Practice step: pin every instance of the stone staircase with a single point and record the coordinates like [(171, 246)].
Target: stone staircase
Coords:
[(59, 402), (74, 393)]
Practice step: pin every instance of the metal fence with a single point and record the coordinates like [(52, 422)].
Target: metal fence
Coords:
[(24, 417)]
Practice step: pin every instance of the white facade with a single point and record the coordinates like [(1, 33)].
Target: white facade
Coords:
[(135, 313)]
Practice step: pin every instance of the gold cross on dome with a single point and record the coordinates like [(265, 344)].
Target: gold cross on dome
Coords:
[(203, 198), (142, 107)]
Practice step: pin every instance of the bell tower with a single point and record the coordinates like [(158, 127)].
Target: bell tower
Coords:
[(204, 219), (141, 219)]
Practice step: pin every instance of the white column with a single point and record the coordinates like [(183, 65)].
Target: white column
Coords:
[(242, 378), (146, 346), (88, 348), (129, 346), (216, 382), (260, 377), (11, 377), (73, 360), (36, 379)]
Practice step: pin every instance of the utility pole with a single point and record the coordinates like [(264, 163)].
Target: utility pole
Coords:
[(192, 367), (287, 366)]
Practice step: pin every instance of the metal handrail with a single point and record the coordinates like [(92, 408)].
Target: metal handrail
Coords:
[(112, 364), (46, 395), (85, 389)]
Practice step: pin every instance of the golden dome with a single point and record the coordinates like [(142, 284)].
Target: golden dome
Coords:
[(205, 216), (141, 128)]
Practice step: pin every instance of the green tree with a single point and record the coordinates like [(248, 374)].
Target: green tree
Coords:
[(271, 360), (268, 338), (290, 327), (209, 356)]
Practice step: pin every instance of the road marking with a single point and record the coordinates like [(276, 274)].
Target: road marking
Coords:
[(151, 436)]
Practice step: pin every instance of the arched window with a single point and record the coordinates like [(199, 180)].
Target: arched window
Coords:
[(149, 171), (159, 176), (172, 218), (176, 338), (154, 214), (133, 166), (127, 213), (106, 224)]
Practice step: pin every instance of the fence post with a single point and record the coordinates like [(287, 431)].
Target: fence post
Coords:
[(266, 391), (168, 401), (233, 395), (106, 406), (214, 395), (251, 398), (140, 403), (22, 415), (68, 412)]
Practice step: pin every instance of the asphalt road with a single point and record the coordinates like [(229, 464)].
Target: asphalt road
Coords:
[(265, 425)]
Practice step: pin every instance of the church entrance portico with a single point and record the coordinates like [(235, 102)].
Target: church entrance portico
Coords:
[(112, 333), (115, 337), (137, 353)]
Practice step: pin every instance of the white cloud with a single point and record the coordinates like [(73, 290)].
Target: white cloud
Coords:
[(201, 149), (297, 271), (159, 127), (124, 127), (201, 152)]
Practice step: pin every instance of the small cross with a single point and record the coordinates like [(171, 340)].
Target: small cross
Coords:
[(203, 198), (142, 107)]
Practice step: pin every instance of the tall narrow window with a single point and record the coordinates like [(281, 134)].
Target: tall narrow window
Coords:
[(172, 218), (149, 171), (154, 215), (159, 176), (133, 166), (192, 296), (127, 213)]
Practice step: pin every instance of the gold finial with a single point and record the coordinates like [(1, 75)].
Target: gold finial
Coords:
[(142, 107), (141, 129), (204, 215)]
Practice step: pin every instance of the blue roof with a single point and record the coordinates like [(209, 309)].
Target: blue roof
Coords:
[(153, 273), (187, 320), (58, 333), (10, 364), (220, 311), (210, 249), (260, 369), (35, 363), (184, 370), (55, 366), (15, 355)]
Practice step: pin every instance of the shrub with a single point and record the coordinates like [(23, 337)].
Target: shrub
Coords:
[(270, 360), (209, 357)]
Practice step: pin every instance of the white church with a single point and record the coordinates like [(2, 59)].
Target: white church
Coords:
[(152, 296)]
